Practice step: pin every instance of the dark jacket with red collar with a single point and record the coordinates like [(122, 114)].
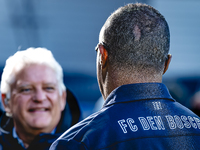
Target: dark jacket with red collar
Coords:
[(135, 116), (70, 116)]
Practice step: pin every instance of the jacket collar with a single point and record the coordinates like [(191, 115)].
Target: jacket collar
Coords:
[(6, 124), (139, 91)]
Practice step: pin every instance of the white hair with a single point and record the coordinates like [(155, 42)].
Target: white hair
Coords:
[(14, 64)]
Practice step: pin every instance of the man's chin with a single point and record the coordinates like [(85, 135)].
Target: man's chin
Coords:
[(39, 122)]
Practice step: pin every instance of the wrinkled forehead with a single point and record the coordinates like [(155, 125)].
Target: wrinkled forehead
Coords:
[(36, 73)]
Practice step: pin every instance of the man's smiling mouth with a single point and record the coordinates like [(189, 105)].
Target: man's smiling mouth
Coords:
[(38, 109)]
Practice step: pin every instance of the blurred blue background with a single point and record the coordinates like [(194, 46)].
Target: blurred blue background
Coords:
[(70, 29)]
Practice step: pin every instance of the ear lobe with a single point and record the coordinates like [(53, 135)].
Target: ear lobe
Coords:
[(104, 56), (6, 105), (167, 62), (4, 100)]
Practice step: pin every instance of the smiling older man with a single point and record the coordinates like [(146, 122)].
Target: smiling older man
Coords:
[(34, 97)]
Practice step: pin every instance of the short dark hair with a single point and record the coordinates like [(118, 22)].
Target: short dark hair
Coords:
[(138, 37)]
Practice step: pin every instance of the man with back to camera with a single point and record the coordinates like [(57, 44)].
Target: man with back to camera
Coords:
[(34, 98), (139, 112)]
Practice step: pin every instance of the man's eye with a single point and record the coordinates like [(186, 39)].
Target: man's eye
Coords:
[(49, 88), (25, 90)]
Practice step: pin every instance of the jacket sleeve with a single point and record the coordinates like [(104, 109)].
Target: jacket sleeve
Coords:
[(63, 144)]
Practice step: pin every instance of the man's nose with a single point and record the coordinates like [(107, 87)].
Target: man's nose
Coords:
[(39, 95)]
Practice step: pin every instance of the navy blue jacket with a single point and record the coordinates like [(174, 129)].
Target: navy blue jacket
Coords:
[(70, 116), (135, 116)]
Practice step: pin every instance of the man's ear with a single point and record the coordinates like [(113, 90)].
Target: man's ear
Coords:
[(6, 104), (104, 56), (167, 62)]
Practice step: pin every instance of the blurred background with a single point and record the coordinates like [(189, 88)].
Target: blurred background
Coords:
[(70, 29)]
